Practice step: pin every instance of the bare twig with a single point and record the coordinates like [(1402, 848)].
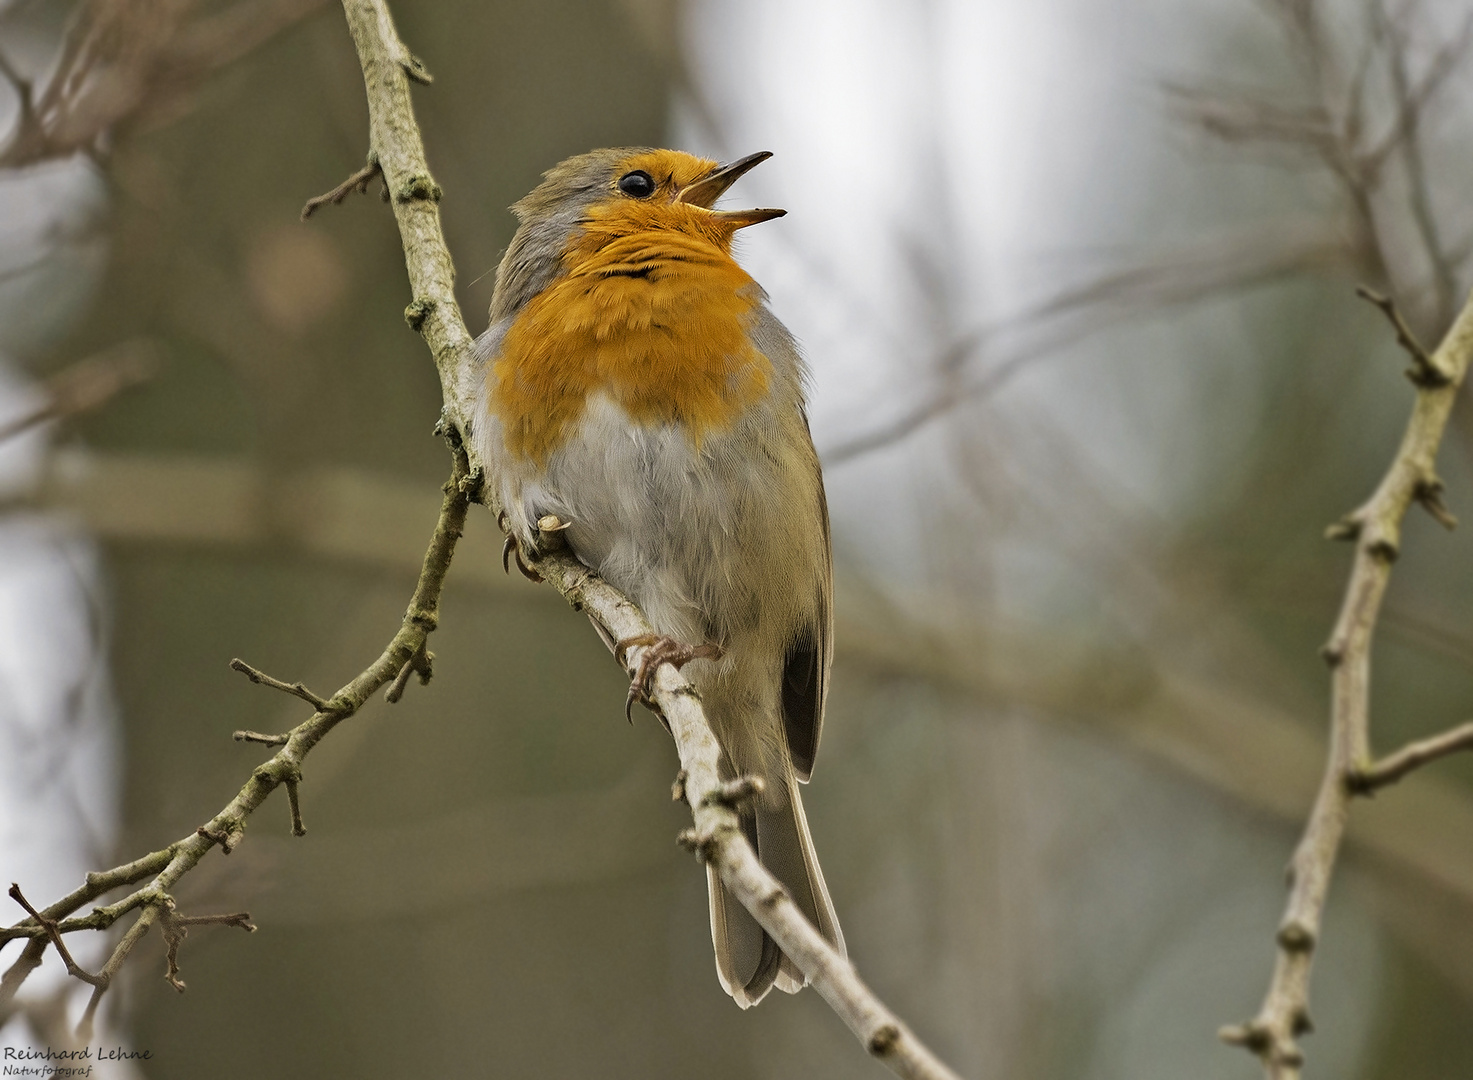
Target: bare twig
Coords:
[(717, 837), (1412, 100), (175, 929), (1414, 755), (1284, 1016), (1376, 526), (169, 866), (1424, 370), (1429, 494), (294, 803), (99, 919), (54, 934), (131, 937), (358, 182), (421, 664), (296, 689), (52, 931), (259, 737), (227, 840)]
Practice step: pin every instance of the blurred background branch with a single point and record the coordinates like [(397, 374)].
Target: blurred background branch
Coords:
[(131, 64), (88, 384)]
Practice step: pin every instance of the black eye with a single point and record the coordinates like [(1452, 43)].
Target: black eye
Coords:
[(638, 184)]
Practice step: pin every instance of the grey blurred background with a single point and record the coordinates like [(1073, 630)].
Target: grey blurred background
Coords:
[(1089, 377)]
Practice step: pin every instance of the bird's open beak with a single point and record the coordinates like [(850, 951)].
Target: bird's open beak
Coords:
[(708, 189)]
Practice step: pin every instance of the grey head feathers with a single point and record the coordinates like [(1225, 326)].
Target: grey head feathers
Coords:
[(552, 210)]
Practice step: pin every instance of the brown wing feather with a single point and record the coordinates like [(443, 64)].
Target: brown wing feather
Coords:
[(806, 666)]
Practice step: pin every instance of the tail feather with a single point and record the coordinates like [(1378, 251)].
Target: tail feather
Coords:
[(748, 961)]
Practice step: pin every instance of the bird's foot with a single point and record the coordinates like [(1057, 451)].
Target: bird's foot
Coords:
[(658, 650), (513, 547)]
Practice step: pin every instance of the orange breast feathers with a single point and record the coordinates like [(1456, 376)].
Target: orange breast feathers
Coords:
[(653, 311)]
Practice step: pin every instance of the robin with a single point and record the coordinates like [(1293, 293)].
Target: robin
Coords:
[(638, 387)]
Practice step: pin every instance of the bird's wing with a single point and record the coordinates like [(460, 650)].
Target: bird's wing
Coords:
[(806, 666)]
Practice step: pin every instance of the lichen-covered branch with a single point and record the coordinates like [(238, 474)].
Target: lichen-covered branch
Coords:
[(166, 868), (395, 144), (388, 68), (1375, 527), (717, 837)]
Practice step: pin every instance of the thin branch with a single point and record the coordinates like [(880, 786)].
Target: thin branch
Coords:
[(241, 919), (358, 182), (176, 928), (53, 932), (99, 919), (28, 961), (296, 689), (259, 737), (124, 947), (96, 885), (169, 866), (1412, 756), (1424, 370), (10, 273), (294, 803), (1376, 527), (1332, 128), (1284, 1014), (229, 840), (422, 664), (717, 837), (941, 400), (397, 144)]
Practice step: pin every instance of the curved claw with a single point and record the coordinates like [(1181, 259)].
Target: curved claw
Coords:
[(658, 650), (527, 572), (511, 547)]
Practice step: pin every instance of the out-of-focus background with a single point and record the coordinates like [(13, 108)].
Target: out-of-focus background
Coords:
[(1089, 378)]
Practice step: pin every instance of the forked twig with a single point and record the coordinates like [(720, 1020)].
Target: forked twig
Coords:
[(168, 866), (1376, 529)]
